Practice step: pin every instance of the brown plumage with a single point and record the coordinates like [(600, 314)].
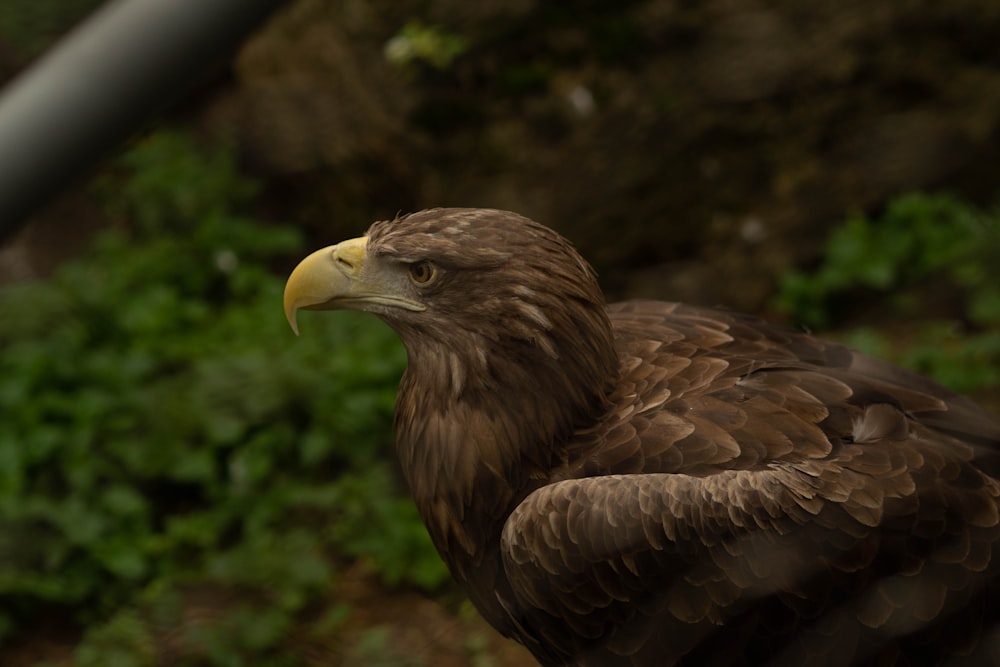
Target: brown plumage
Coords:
[(653, 483)]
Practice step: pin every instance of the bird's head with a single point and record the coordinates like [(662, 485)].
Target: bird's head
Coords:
[(476, 291)]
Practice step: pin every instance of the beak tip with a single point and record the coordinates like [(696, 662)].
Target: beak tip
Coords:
[(290, 315)]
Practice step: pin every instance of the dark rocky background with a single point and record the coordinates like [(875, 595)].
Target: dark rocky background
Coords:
[(692, 150)]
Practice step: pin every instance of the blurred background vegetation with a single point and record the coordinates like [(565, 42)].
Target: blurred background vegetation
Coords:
[(183, 482)]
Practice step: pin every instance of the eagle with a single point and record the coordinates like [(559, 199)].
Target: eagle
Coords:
[(654, 483)]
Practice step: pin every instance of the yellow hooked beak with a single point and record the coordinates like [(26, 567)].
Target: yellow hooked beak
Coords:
[(342, 276)]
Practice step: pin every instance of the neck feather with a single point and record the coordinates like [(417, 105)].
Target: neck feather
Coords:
[(482, 419)]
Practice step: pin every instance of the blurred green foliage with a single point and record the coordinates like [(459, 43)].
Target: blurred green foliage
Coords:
[(162, 430), (416, 42), (933, 262), (30, 26)]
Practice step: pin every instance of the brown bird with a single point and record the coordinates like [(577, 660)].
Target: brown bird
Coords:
[(649, 483)]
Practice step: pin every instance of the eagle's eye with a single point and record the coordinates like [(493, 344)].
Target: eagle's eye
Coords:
[(422, 272)]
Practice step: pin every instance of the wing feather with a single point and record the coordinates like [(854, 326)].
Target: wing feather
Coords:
[(758, 486)]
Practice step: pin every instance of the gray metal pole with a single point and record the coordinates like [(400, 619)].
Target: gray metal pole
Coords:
[(94, 88)]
